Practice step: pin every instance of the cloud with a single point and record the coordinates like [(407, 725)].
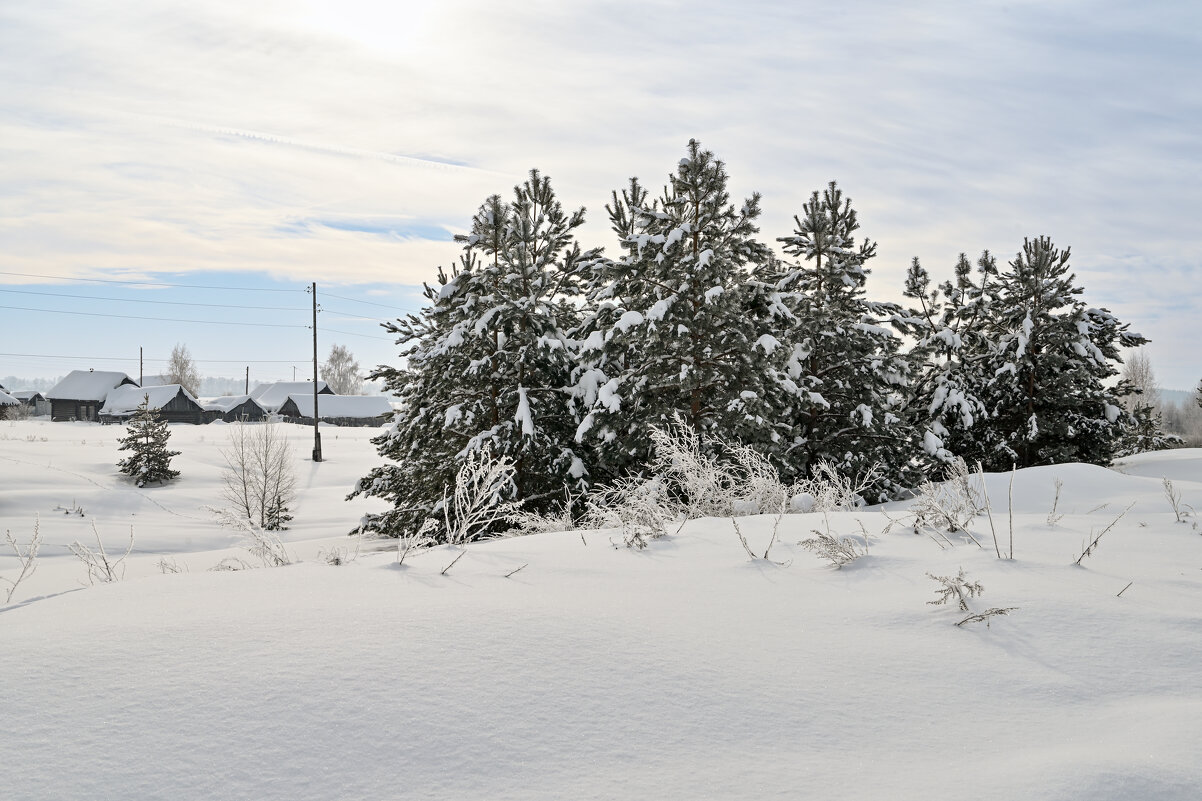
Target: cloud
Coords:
[(287, 138)]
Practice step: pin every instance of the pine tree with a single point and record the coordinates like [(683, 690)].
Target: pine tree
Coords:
[(667, 332), (1048, 400), (842, 373), (488, 363), (951, 358), (146, 438)]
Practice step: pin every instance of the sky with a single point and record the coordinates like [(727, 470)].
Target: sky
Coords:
[(154, 154)]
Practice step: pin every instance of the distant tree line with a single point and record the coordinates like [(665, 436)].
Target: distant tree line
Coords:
[(563, 358)]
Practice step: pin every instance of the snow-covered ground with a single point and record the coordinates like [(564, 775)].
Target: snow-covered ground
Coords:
[(683, 671)]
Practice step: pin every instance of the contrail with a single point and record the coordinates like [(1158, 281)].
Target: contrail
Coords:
[(319, 147)]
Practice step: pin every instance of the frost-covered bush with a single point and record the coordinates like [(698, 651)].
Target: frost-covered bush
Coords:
[(100, 566), (949, 505), (737, 481), (27, 558), (475, 507), (839, 551), (826, 490), (641, 508)]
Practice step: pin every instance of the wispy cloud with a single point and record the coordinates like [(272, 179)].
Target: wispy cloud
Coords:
[(342, 140)]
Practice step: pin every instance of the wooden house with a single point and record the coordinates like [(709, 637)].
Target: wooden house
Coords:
[(36, 401), (272, 396), (174, 403), (341, 410), (7, 402), (80, 395), (235, 408)]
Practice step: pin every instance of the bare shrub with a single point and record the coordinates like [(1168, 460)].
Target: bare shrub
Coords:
[(1093, 544), (641, 508), (1174, 499), (27, 558), (475, 508), (1053, 517), (263, 544), (100, 566), (839, 551), (987, 614), (168, 565), (949, 505), (826, 490), (258, 479), (955, 587), (335, 556), (414, 540), (527, 522), (230, 564)]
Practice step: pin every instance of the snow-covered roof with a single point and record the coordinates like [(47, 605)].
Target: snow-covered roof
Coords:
[(358, 406), (272, 396), (92, 385), (228, 402), (124, 400), (26, 394), (9, 400)]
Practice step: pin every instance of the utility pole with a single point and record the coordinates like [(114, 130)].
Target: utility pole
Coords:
[(247, 380), (316, 431), (141, 380)]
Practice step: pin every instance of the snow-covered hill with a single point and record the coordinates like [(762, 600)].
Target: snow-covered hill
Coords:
[(683, 671)]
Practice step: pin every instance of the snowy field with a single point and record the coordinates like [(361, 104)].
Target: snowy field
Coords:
[(685, 671)]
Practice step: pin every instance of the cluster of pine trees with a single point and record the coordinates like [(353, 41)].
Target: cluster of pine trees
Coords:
[(562, 359)]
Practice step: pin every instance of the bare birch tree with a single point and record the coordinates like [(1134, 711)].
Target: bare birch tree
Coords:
[(181, 369), (341, 372), (258, 478)]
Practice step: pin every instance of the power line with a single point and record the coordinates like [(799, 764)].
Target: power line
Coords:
[(148, 359), (165, 302), (367, 302), (348, 333), (151, 283), (347, 314), (158, 319)]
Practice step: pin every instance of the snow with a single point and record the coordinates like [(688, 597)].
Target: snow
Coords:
[(660, 308), (126, 399), (523, 417), (628, 320), (226, 403), (8, 400), (354, 406), (683, 671), (87, 385), (767, 343), (272, 396)]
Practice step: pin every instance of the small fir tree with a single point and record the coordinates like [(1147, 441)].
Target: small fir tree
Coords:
[(146, 439)]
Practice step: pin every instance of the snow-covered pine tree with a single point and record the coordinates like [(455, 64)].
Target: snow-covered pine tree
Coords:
[(1048, 400), (846, 377), (487, 365), (666, 332), (951, 358), (146, 438)]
